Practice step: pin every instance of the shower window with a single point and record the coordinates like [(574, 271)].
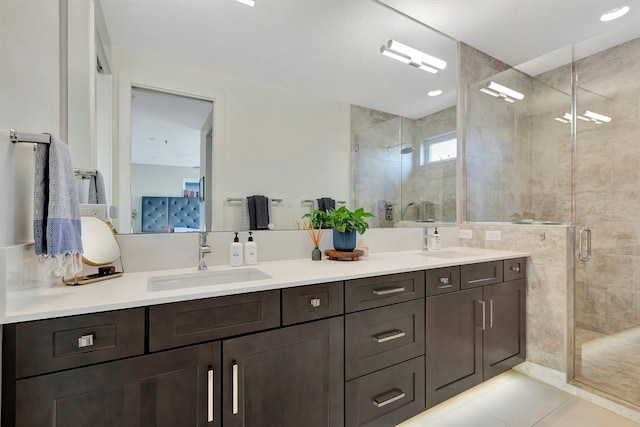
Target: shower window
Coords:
[(438, 149)]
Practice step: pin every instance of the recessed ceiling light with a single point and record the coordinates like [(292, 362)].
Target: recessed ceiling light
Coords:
[(614, 13), (434, 92), (248, 2)]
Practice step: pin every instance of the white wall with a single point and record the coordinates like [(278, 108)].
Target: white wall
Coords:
[(267, 140), (29, 101)]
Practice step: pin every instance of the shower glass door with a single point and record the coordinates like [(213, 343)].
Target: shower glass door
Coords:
[(607, 202)]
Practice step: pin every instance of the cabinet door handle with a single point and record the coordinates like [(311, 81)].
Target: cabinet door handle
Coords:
[(210, 395), (484, 319), (235, 388), (388, 336), (388, 397), (387, 291), (85, 341), (491, 313), (515, 268)]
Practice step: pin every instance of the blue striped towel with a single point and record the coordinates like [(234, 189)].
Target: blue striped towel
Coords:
[(56, 217)]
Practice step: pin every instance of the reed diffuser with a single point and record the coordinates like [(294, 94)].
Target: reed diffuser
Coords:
[(316, 235)]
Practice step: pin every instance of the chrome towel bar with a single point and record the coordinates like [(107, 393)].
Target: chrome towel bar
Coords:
[(36, 138)]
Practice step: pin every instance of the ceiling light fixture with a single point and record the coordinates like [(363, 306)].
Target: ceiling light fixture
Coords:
[(435, 92), (588, 116), (597, 117), (413, 57), (247, 2), (614, 14), (505, 91)]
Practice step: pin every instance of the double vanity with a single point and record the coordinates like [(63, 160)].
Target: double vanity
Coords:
[(287, 343)]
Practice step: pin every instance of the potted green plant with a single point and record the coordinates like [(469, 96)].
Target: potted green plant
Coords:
[(345, 224)]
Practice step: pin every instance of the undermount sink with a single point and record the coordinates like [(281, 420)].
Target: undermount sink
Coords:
[(445, 254), (205, 278)]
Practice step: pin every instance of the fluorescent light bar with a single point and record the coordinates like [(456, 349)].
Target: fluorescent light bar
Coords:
[(505, 91), (597, 117), (489, 92), (583, 118), (506, 98), (567, 116), (247, 2), (424, 67), (614, 14), (434, 92), (394, 55), (561, 120), (416, 55)]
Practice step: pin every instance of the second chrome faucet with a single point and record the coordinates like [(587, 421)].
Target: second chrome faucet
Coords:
[(203, 249)]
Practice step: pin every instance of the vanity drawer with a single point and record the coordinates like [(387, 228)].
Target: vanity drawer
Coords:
[(313, 302), (68, 342), (387, 397), (371, 292), (383, 336), (515, 269), (443, 280), (191, 322), (481, 274)]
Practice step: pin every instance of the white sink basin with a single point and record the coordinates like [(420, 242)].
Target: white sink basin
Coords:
[(445, 254), (205, 278)]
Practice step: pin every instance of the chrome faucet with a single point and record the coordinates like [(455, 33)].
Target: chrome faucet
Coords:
[(435, 240), (203, 249)]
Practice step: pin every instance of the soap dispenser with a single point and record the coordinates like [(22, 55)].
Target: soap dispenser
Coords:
[(250, 251), (235, 252), (437, 244)]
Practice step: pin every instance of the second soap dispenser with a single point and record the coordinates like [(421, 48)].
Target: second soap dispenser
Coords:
[(250, 251), (235, 252)]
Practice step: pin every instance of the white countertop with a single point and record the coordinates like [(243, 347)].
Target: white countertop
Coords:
[(130, 290)]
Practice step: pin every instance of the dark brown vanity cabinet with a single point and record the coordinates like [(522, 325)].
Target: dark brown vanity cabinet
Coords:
[(384, 353), (362, 353), (172, 388), (475, 333), (287, 377)]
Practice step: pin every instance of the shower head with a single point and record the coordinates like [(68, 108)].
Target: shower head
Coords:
[(404, 150), (407, 150)]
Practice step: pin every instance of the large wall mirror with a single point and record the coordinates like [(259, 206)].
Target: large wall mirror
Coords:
[(304, 106)]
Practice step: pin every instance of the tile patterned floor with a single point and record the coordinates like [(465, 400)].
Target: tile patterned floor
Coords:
[(516, 400), (610, 362)]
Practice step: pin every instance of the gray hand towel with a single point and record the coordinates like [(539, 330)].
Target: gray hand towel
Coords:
[(258, 212), (56, 217), (97, 193)]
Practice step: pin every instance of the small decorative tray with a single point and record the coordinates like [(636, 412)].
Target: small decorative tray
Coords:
[(354, 255)]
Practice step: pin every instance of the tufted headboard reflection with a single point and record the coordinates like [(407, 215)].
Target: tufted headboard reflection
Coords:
[(164, 214)]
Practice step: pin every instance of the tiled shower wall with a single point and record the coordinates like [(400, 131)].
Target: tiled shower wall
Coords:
[(382, 176), (608, 189), (518, 156)]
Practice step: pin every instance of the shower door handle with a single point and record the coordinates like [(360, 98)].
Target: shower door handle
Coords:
[(581, 256)]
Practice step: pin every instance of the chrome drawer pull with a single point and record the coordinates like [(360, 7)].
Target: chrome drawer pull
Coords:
[(235, 388), (389, 397), (515, 268), (315, 302), (85, 341), (387, 291), (210, 395), (388, 336)]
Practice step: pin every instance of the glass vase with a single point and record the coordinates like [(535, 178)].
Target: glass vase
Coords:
[(316, 254)]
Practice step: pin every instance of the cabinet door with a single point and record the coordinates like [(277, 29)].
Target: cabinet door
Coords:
[(292, 376), (173, 388), (454, 344), (504, 335)]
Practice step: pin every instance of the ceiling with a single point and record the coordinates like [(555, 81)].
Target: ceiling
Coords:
[(330, 48)]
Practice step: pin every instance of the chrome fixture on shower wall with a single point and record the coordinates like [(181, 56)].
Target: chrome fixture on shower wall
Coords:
[(406, 149)]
